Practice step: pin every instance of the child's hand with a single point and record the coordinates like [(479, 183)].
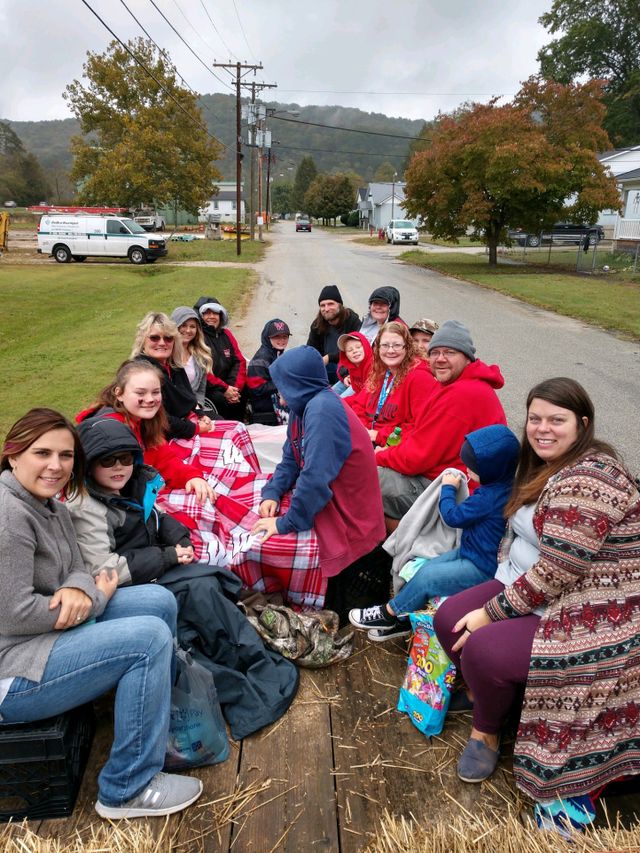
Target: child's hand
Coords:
[(107, 581), (347, 381), (268, 509), (265, 528), (185, 554), (451, 480)]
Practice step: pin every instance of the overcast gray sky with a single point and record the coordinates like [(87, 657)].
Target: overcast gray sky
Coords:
[(408, 58)]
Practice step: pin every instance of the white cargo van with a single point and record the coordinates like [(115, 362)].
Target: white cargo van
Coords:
[(78, 237)]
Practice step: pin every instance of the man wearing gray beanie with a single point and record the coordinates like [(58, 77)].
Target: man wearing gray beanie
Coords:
[(464, 400)]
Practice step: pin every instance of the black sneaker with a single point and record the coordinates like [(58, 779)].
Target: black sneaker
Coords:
[(376, 616), (402, 628)]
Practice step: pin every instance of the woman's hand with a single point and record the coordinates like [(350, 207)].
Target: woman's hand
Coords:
[(373, 434), (451, 480), (232, 395), (201, 489), (185, 554), (268, 509), (468, 624), (205, 424), (107, 582), (74, 604), (268, 525)]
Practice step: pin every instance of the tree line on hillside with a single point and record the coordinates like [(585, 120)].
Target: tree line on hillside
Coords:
[(21, 177)]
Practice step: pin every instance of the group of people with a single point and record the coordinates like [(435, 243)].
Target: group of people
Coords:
[(160, 480)]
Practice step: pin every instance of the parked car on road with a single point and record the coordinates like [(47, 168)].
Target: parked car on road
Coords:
[(303, 225), (10, 204), (562, 232), (402, 231)]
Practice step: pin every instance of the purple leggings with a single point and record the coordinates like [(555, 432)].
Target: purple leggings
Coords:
[(494, 661)]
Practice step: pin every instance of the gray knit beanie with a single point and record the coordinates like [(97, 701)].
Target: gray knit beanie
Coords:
[(454, 334), (183, 313)]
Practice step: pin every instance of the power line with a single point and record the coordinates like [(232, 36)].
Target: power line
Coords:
[(206, 44), (244, 35), (219, 34), (166, 55), (412, 94), (333, 151), (186, 43), (153, 77), (346, 129)]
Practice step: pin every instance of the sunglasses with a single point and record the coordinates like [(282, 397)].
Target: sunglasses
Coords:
[(125, 458), (168, 339)]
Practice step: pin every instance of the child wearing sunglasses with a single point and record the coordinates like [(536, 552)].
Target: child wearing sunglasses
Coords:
[(117, 524)]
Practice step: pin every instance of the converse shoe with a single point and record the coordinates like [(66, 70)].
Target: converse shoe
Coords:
[(376, 616), (381, 635), (165, 794)]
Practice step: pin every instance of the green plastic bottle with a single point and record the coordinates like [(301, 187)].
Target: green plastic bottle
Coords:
[(395, 438)]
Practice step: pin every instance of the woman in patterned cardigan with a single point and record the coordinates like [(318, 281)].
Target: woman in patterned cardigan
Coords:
[(580, 658)]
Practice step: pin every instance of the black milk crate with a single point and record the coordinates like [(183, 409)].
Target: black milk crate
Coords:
[(42, 763)]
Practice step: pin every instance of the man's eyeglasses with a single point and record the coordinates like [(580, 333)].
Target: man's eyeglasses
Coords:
[(125, 458), (392, 347), (446, 353), (168, 339)]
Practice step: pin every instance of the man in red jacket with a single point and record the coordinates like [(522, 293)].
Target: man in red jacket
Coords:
[(464, 400)]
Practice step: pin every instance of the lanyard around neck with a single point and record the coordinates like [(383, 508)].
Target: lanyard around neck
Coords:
[(387, 385)]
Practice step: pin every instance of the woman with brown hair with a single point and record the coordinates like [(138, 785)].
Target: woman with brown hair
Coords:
[(66, 638), (564, 629), (397, 388)]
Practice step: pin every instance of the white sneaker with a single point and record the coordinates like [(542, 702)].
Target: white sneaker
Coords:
[(165, 794)]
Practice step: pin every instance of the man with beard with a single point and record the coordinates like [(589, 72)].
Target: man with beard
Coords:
[(333, 320)]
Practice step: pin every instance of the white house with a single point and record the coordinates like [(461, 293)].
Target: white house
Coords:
[(222, 207), (624, 165), (379, 203)]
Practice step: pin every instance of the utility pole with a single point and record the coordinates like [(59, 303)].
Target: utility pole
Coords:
[(254, 120), (268, 204), (239, 68)]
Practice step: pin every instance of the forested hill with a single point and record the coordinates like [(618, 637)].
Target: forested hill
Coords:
[(332, 150)]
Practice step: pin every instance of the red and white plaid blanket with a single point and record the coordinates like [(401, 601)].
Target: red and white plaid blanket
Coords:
[(221, 534)]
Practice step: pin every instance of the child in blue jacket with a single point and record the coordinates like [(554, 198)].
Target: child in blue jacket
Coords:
[(491, 456)]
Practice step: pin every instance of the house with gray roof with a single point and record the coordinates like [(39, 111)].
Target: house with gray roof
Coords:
[(380, 202), (222, 206)]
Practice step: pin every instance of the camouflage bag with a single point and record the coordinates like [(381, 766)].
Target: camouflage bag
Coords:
[(310, 639)]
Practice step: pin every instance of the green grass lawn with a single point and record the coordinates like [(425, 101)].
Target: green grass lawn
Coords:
[(610, 301), (64, 329), (214, 250), (463, 241)]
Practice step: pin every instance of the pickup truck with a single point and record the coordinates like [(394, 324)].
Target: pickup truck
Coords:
[(560, 233), (149, 220)]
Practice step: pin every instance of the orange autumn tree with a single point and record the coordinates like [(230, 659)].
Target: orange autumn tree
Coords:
[(524, 164)]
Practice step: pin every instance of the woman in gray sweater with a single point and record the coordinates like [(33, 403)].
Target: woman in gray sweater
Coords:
[(66, 638)]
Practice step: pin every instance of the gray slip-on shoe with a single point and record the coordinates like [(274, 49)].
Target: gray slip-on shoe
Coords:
[(165, 794)]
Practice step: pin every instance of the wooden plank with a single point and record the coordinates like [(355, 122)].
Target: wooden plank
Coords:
[(298, 810), (384, 762)]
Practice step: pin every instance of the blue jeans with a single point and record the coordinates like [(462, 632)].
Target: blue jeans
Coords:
[(445, 574), (129, 647)]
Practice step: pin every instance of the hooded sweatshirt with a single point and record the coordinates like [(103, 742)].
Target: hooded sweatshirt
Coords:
[(357, 372), (178, 398), (403, 406), (327, 459), (229, 365), (391, 296), (481, 515), (261, 385), (124, 532), (466, 404)]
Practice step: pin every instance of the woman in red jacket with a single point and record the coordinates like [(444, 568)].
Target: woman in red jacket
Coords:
[(397, 388)]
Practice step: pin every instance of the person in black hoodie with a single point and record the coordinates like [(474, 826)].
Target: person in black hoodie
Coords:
[(384, 307), (158, 341), (117, 526), (263, 393), (226, 385)]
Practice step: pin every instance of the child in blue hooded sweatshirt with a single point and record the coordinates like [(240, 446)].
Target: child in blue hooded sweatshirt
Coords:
[(491, 456), (328, 460)]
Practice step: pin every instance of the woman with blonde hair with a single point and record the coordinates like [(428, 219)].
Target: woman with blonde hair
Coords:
[(159, 342), (197, 358), (397, 388)]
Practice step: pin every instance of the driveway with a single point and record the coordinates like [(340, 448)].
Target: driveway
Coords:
[(528, 343)]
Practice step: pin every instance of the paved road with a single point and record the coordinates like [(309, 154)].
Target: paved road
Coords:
[(528, 343)]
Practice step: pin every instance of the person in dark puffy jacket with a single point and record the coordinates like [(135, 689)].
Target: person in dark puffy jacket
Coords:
[(117, 523), (384, 307), (226, 384), (263, 393)]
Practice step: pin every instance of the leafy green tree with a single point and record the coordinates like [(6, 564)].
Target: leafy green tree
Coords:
[(21, 177), (385, 172), (329, 196), (600, 39), (305, 173), (527, 163), (143, 146), (281, 198)]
